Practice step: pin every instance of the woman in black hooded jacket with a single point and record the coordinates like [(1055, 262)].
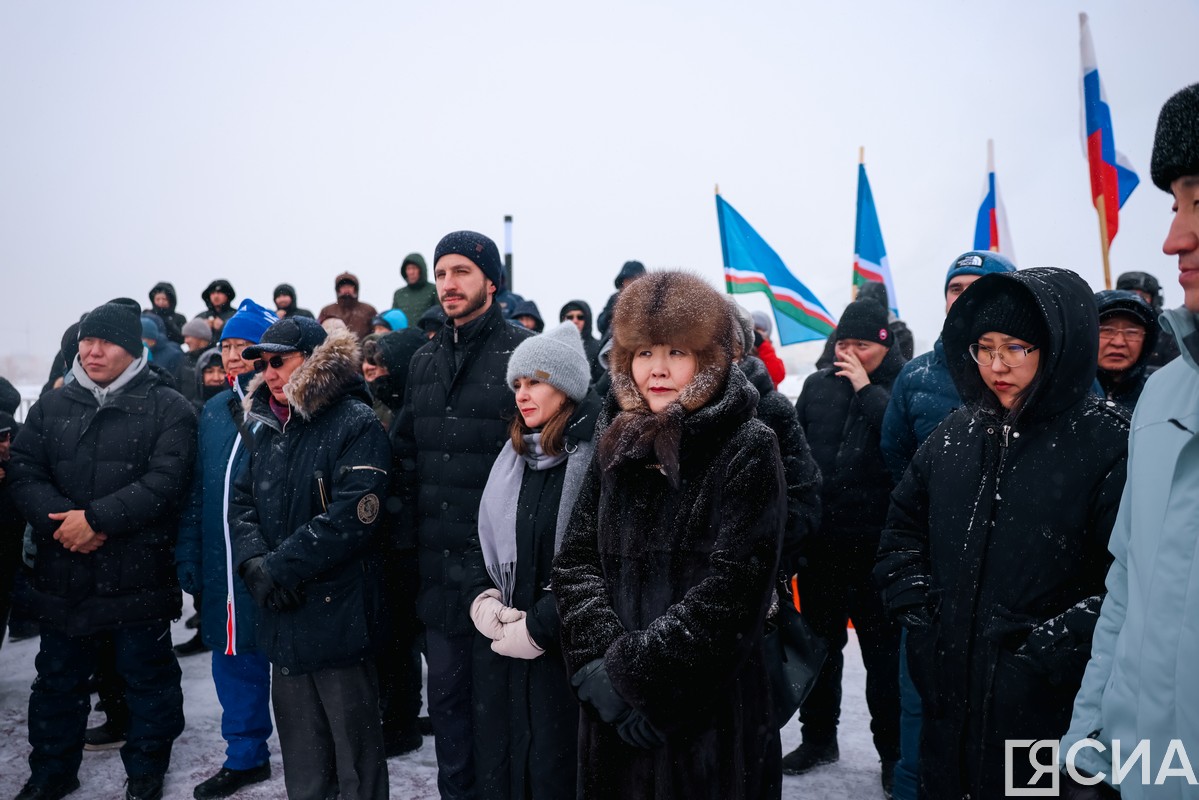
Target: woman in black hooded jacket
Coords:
[(995, 548)]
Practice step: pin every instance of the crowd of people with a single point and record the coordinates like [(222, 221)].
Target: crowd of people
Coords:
[(586, 538)]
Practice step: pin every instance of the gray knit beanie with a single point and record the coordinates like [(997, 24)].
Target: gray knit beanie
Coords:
[(555, 357)]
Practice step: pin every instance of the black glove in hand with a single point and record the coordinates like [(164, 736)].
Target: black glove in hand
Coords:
[(257, 580), (593, 687), (637, 731), (282, 600)]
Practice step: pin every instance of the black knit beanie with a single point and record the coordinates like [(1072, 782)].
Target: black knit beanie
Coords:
[(475, 246), (865, 320), (1012, 312), (114, 323), (1176, 143)]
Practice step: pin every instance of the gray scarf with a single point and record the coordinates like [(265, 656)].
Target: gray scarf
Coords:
[(102, 393), (497, 509)]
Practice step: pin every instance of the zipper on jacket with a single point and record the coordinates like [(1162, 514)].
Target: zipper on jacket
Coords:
[(1007, 429), (344, 470)]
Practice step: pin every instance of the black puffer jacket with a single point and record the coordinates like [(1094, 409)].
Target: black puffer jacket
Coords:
[(671, 588), (996, 544), (324, 544), (799, 468), (127, 464), (447, 436), (844, 429)]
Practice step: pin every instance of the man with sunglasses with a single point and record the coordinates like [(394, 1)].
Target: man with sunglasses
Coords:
[(304, 519), (1127, 334)]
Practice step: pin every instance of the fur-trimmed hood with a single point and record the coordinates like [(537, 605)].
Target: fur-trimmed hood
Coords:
[(334, 369), (675, 308)]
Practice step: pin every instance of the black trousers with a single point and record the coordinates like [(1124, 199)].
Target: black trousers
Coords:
[(835, 586), (330, 734), (399, 660), (59, 704)]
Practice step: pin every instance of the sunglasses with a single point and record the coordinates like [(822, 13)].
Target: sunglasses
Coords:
[(574, 315), (274, 362)]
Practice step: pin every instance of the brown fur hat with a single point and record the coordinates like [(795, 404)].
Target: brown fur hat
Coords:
[(679, 309)]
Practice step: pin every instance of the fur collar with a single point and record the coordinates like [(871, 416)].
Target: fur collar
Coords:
[(319, 381)]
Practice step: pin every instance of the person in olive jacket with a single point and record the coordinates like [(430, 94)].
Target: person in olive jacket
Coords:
[(100, 470), (841, 411), (995, 547), (417, 295), (304, 519), (452, 426)]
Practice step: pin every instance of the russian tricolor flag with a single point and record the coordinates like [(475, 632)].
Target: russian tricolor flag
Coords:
[(870, 262), (751, 265), (1112, 176), (990, 230)]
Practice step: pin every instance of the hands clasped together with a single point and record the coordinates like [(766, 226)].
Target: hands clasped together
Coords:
[(504, 625)]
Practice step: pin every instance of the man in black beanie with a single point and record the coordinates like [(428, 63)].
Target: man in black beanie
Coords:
[(99, 470), (841, 411), (445, 439), (1139, 686)]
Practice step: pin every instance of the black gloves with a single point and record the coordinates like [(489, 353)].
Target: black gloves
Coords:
[(595, 689), (1060, 647), (264, 590)]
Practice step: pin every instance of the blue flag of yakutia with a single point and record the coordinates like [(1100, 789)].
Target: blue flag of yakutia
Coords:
[(751, 265), (870, 262)]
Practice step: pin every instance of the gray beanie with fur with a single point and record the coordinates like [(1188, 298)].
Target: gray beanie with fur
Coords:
[(555, 357)]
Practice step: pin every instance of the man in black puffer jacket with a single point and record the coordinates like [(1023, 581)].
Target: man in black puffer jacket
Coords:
[(304, 518), (452, 426), (100, 469), (841, 410)]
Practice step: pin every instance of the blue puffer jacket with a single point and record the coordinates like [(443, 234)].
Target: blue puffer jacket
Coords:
[(1140, 682), (203, 547), (921, 397)]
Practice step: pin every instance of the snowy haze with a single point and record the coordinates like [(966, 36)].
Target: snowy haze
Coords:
[(268, 142)]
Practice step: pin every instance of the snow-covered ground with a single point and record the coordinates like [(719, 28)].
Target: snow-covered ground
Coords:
[(199, 751)]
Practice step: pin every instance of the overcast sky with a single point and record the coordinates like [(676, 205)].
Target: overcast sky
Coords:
[(288, 141)]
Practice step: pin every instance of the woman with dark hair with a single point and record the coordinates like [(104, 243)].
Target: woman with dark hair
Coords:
[(666, 574), (995, 548), (525, 716)]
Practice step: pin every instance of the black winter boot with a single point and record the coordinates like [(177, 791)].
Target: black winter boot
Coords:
[(809, 755)]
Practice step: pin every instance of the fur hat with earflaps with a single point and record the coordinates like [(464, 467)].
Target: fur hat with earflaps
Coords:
[(679, 309)]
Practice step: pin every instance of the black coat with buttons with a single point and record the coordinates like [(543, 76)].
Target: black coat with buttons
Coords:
[(453, 424), (996, 543)]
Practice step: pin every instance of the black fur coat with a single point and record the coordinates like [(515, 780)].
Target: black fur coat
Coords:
[(671, 587)]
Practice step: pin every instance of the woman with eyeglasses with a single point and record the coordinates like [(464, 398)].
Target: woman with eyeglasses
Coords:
[(995, 548)]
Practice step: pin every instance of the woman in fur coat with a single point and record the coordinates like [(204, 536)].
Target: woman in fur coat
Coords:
[(666, 572), (525, 716)]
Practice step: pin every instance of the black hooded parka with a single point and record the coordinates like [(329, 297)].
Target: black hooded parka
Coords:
[(995, 546)]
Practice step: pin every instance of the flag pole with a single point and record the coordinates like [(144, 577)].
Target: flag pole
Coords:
[(1103, 241), (853, 286)]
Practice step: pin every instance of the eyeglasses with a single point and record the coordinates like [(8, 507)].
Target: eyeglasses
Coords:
[(274, 362), (1129, 334), (1012, 355), (574, 315)]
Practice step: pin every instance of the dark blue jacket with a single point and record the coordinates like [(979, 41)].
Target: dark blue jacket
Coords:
[(308, 501), (204, 534), (921, 397)]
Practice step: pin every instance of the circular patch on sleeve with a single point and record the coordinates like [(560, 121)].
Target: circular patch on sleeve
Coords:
[(368, 509)]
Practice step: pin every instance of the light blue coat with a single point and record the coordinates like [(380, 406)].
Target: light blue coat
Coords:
[(1142, 681)]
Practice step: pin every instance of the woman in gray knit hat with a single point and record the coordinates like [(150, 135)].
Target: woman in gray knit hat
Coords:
[(525, 715)]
